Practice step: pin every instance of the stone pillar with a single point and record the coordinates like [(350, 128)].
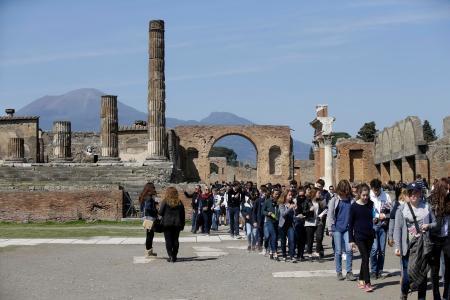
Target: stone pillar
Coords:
[(156, 94), (41, 148), (16, 150), (62, 135), (407, 170), (385, 172), (328, 161), (422, 166), (109, 129), (396, 174)]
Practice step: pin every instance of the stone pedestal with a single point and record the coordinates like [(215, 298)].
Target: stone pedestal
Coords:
[(16, 151), (109, 129), (156, 94), (62, 141)]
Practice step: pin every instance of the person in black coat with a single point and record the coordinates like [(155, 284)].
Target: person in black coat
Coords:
[(194, 203), (173, 220)]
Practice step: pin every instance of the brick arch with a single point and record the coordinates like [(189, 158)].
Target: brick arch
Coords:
[(262, 137)]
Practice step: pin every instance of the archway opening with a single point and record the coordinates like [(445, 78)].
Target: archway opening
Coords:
[(234, 158)]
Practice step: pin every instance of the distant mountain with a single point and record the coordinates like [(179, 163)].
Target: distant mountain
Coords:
[(82, 108)]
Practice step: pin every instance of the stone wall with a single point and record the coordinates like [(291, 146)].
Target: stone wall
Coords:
[(80, 143), (21, 127), (304, 171), (131, 177), (61, 205), (439, 153), (355, 160)]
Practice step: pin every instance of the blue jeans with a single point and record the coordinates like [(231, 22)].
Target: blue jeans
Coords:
[(206, 221), (287, 233), (194, 220), (251, 233), (341, 242), (378, 250), (405, 279), (270, 235), (215, 220), (234, 220)]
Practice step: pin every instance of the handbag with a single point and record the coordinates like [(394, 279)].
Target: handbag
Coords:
[(158, 225), (148, 224)]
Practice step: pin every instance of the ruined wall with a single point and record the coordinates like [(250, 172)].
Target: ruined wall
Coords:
[(439, 153), (304, 171), (197, 141), (61, 205), (354, 160), (80, 143), (21, 127)]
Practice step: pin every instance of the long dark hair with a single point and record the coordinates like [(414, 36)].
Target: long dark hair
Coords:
[(438, 198), (149, 189)]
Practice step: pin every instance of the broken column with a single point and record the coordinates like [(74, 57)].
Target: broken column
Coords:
[(109, 129), (62, 135), (156, 93), (16, 150), (323, 134)]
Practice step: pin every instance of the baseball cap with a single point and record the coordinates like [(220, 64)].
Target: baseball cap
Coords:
[(413, 187)]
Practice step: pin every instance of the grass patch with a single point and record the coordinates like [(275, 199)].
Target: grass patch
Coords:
[(73, 229)]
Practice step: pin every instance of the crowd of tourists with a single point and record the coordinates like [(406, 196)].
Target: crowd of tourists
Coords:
[(288, 223)]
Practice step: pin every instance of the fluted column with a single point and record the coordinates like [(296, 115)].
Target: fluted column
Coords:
[(16, 150), (156, 93), (62, 141), (109, 129)]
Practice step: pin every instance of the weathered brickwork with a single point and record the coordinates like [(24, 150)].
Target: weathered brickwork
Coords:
[(197, 141), (61, 205), (354, 160), (304, 171), (20, 127)]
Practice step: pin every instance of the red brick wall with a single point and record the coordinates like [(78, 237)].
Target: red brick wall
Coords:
[(61, 205)]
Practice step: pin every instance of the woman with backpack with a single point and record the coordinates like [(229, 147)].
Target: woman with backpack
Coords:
[(412, 222), (173, 220)]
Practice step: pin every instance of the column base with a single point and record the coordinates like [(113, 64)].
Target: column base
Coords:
[(108, 159), (14, 161), (156, 159), (62, 160)]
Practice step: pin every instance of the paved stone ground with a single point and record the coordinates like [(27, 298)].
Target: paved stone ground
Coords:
[(220, 270)]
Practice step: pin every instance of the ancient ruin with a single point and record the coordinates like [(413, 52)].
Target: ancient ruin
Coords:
[(65, 175)]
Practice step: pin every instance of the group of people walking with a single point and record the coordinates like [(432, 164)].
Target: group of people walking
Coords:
[(288, 223)]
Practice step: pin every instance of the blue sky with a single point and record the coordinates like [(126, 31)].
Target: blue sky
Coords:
[(268, 61)]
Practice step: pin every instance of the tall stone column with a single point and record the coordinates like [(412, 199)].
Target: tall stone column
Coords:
[(16, 150), (109, 129), (156, 93), (62, 141), (328, 160)]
